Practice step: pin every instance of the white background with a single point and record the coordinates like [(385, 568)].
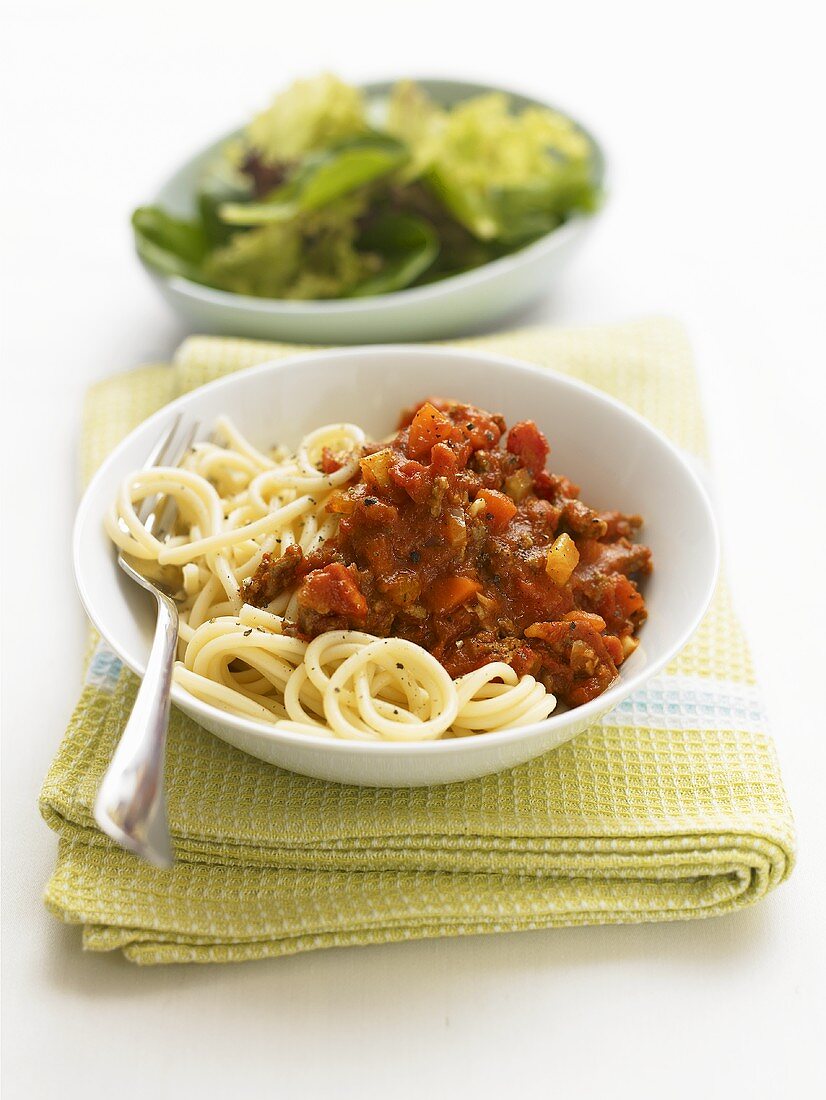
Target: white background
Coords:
[(713, 118)]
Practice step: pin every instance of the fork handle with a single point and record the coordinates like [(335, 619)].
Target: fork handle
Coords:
[(130, 806)]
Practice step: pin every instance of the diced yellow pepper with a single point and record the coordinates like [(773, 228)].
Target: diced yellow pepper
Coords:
[(562, 559), (518, 485), (375, 468)]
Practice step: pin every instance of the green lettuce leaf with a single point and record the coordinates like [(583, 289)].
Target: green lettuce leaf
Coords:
[(502, 175), (415, 119), (314, 255), (308, 116)]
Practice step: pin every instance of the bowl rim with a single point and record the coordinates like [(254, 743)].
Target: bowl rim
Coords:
[(548, 242), (593, 710)]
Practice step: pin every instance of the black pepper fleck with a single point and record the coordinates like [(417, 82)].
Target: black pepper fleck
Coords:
[(368, 501), (415, 556)]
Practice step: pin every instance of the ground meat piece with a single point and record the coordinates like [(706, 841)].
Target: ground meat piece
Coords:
[(554, 487), (485, 647), (583, 520), (273, 576), (618, 525), (577, 665), (621, 556)]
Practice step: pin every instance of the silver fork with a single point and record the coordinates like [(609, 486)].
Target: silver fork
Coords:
[(130, 806)]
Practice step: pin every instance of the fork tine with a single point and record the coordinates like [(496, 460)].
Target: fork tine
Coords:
[(159, 523), (157, 456)]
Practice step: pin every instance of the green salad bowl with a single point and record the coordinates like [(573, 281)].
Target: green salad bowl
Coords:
[(458, 305)]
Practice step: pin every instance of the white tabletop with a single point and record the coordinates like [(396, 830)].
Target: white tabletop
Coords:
[(712, 116)]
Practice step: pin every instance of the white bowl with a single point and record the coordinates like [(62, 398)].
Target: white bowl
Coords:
[(619, 460), (451, 307)]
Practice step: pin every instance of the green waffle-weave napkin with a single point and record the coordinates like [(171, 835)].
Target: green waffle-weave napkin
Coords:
[(672, 808)]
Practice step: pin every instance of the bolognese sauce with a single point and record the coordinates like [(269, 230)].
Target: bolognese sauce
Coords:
[(455, 536)]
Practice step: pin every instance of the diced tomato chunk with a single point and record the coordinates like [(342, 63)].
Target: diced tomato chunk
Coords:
[(596, 621), (629, 600), (553, 633), (480, 429), (333, 591), (414, 478), (586, 690), (443, 460), (553, 487), (427, 428), (379, 554), (447, 458), (329, 462), (615, 650), (499, 510), (377, 513), (528, 443)]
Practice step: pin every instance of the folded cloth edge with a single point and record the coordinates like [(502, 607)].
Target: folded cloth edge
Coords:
[(759, 858)]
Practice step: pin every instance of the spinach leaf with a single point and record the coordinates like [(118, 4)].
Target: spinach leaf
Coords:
[(323, 178), (173, 246), (407, 244), (220, 184)]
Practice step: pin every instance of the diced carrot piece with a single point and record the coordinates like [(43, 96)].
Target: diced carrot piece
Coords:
[(448, 593), (499, 510), (427, 428)]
